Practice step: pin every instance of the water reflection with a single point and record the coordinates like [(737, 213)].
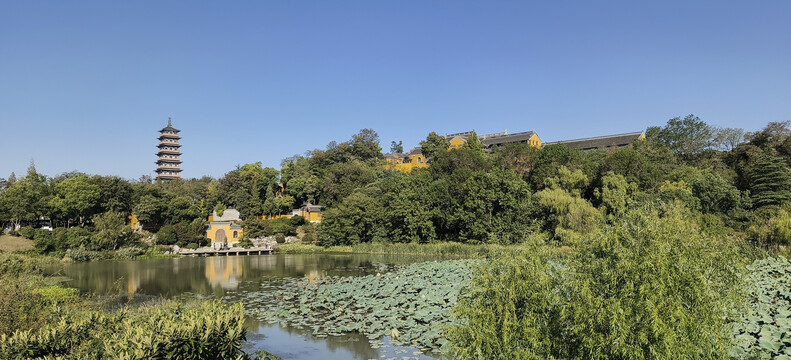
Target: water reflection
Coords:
[(236, 275), (215, 275)]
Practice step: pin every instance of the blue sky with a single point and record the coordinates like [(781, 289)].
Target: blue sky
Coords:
[(85, 85)]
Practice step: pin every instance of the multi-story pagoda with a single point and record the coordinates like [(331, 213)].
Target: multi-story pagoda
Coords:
[(168, 156)]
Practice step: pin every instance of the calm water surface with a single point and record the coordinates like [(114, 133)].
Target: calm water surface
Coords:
[(231, 277)]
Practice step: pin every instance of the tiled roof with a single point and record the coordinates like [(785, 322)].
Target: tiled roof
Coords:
[(489, 141), (618, 140)]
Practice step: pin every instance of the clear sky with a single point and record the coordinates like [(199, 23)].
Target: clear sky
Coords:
[(86, 85)]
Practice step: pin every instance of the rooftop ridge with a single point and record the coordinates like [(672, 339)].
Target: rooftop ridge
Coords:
[(595, 137)]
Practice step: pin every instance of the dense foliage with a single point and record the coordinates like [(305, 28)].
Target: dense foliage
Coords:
[(651, 286), (736, 182)]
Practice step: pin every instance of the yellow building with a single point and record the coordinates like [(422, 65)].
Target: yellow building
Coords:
[(311, 213), (489, 141), (224, 231), (406, 162)]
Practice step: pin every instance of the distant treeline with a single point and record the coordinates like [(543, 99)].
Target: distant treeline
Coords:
[(733, 181)]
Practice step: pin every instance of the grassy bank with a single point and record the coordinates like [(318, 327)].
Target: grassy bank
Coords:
[(14, 243)]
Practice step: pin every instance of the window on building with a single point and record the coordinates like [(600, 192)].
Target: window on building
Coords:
[(419, 160), (235, 234)]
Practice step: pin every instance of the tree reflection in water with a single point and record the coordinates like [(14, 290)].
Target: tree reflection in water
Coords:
[(234, 275)]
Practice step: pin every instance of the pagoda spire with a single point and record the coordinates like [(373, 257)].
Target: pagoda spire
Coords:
[(169, 154)]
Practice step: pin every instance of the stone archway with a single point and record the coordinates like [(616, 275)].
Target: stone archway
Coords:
[(219, 237)]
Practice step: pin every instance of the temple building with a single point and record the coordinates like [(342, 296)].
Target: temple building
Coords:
[(224, 230), (602, 142), (406, 162), (489, 141), (168, 156)]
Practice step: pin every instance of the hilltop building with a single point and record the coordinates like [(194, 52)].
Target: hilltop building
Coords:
[(602, 142), (489, 141), (311, 213), (169, 154), (406, 162)]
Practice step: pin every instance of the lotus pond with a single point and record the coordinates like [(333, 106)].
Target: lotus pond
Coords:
[(765, 330), (348, 306)]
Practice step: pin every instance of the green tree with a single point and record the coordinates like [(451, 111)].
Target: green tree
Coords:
[(770, 180), (365, 145), (492, 207), (355, 220), (396, 147), (27, 199), (716, 194), (433, 145), (473, 143), (616, 194), (647, 287), (727, 139), (686, 137), (150, 209), (110, 230), (635, 166), (76, 197), (549, 160), (406, 210)]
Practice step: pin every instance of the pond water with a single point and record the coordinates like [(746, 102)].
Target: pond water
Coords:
[(230, 278)]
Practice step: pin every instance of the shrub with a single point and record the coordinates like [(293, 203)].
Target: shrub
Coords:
[(192, 246), (80, 254), (198, 330), (43, 241), (167, 235), (27, 232), (280, 238), (296, 220), (308, 238), (245, 243), (77, 236), (283, 225), (128, 252)]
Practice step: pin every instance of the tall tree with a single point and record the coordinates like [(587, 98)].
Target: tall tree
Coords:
[(726, 139), (75, 198), (433, 145), (770, 180), (686, 137), (396, 147)]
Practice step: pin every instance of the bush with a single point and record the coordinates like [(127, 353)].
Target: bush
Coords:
[(280, 238), (282, 225), (27, 232), (296, 220), (77, 236), (308, 238), (646, 287), (192, 246), (81, 255), (167, 235), (43, 241), (245, 243), (128, 253)]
